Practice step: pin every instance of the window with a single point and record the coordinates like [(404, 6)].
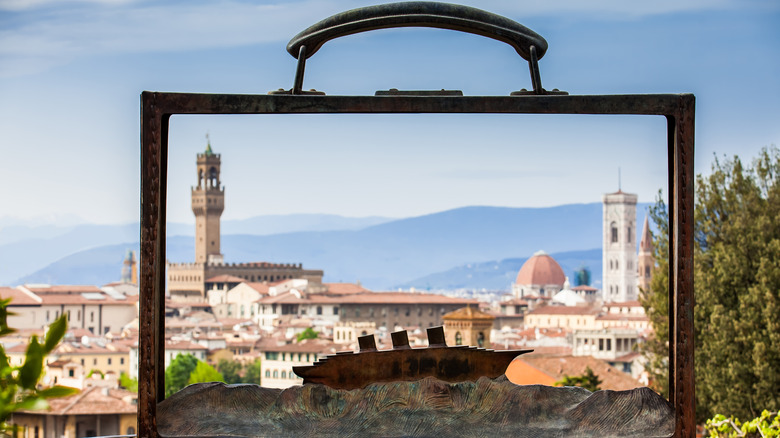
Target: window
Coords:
[(371, 312), (109, 361), (121, 361), (94, 361), (91, 316), (47, 315), (601, 345), (395, 311), (284, 374), (335, 310), (629, 234), (481, 339), (276, 374), (268, 373), (319, 310), (609, 344), (357, 313), (614, 230), (458, 338), (408, 311), (71, 372)]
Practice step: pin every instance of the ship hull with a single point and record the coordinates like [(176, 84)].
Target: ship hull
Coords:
[(452, 364)]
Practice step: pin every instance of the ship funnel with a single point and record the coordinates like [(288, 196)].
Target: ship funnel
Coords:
[(400, 340), (436, 337), (367, 343)]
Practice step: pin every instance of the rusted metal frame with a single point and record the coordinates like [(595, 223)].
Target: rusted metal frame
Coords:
[(681, 292), (158, 107)]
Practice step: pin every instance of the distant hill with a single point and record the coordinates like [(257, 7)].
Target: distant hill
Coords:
[(499, 275), (27, 249), (393, 253)]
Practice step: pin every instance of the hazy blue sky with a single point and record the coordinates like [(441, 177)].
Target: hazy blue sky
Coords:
[(71, 73)]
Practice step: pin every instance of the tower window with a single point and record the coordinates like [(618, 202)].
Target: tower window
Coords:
[(614, 232), (629, 234)]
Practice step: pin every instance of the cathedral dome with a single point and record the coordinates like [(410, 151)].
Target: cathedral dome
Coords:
[(541, 269)]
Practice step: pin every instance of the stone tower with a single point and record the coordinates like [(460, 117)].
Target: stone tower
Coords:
[(645, 262), (619, 247), (130, 268), (208, 202), (468, 326)]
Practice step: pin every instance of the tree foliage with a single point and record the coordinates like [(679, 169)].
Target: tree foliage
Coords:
[(19, 384), (308, 333), (177, 375), (589, 380), (765, 426), (230, 370), (204, 372), (253, 373), (737, 289), (128, 383)]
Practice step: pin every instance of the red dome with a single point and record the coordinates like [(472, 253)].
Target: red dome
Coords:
[(541, 269)]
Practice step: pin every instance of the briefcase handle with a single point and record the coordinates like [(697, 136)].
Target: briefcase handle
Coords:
[(528, 44)]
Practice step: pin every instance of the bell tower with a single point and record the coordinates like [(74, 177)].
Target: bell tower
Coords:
[(208, 202), (619, 279), (646, 261)]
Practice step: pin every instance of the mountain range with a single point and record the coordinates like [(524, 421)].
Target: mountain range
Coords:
[(470, 247)]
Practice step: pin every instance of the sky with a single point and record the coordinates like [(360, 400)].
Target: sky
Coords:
[(71, 73)]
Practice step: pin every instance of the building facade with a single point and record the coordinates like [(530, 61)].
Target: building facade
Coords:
[(468, 326), (388, 310)]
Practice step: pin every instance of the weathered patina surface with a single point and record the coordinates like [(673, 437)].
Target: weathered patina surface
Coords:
[(424, 408)]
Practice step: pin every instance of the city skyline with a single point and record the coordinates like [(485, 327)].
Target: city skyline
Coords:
[(66, 65)]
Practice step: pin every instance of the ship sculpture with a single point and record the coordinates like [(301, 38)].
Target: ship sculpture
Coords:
[(353, 370)]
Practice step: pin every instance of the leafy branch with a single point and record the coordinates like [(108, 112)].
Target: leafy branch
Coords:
[(19, 384)]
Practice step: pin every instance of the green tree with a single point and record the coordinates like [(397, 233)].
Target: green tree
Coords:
[(19, 384), (737, 289), (177, 375), (253, 373), (128, 383), (204, 372), (230, 370), (309, 333), (588, 380)]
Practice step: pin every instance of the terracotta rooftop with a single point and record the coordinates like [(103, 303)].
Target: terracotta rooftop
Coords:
[(556, 367), (85, 298), (19, 297), (468, 312), (225, 279), (93, 401), (61, 289), (344, 288), (183, 345), (541, 269), (259, 287)]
